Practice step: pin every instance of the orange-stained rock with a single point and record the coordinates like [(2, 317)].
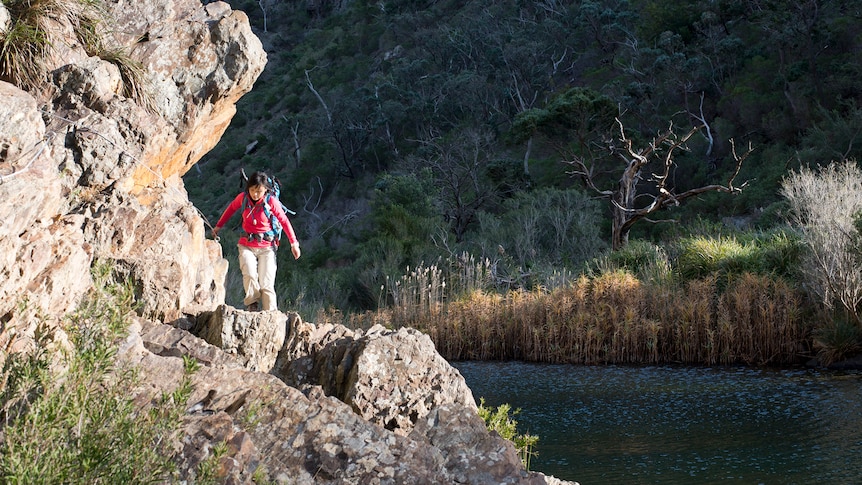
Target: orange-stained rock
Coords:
[(89, 171)]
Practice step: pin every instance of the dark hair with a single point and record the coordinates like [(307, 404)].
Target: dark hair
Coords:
[(258, 178)]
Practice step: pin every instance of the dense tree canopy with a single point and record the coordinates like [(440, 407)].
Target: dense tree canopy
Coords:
[(358, 91)]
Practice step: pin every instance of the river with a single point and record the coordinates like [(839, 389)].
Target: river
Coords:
[(682, 425)]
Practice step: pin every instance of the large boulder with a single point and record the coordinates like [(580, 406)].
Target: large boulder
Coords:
[(391, 378), (255, 338), (44, 258)]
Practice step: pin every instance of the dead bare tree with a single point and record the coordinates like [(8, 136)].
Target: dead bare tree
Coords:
[(625, 212), (262, 5), (457, 164), (297, 146), (701, 118)]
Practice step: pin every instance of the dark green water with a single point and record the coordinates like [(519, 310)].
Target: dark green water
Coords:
[(680, 425)]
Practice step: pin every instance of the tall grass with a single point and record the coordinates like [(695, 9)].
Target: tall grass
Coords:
[(33, 30), (633, 307), (36, 27), (73, 420), (616, 319)]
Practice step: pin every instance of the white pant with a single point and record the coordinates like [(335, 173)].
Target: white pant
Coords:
[(258, 276)]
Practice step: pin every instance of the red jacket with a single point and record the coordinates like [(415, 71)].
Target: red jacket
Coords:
[(255, 220)]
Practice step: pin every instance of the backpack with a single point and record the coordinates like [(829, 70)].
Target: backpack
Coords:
[(273, 195)]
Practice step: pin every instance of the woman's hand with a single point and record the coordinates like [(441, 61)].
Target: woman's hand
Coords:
[(294, 248)]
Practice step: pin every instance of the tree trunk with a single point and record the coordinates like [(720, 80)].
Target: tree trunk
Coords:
[(623, 203), (619, 236)]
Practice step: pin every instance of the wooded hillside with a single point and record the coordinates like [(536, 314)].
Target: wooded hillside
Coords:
[(405, 132)]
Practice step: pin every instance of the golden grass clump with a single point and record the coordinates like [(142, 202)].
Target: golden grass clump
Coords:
[(37, 26), (615, 318)]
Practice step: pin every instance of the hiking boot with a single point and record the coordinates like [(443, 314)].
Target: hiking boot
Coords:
[(252, 307)]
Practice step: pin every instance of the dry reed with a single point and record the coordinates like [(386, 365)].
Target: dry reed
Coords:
[(610, 319)]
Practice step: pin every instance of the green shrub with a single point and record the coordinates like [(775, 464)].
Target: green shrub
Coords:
[(79, 424), (780, 252), (644, 259), (836, 340), (500, 420), (23, 48), (545, 226), (777, 253), (701, 256), (29, 39)]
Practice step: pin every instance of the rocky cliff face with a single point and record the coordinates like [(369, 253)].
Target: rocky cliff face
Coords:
[(90, 171)]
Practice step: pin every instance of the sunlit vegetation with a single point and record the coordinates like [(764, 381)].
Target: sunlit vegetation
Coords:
[(615, 318), (407, 137), (74, 420), (501, 420), (36, 28)]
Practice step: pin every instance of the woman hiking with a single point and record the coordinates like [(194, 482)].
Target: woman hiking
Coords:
[(260, 212)]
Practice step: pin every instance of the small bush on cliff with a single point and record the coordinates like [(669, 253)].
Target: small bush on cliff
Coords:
[(76, 422), (499, 419), (34, 29)]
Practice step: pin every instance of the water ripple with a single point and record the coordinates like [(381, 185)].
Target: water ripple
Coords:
[(678, 425)]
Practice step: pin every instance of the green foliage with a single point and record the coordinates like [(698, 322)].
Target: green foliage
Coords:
[(835, 135), (24, 48), (29, 40), (678, 18), (404, 221), (414, 193), (261, 475), (581, 114), (78, 423), (702, 256), (500, 420), (135, 82), (778, 253), (544, 226), (644, 259), (207, 472), (393, 78), (837, 339), (704, 253)]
